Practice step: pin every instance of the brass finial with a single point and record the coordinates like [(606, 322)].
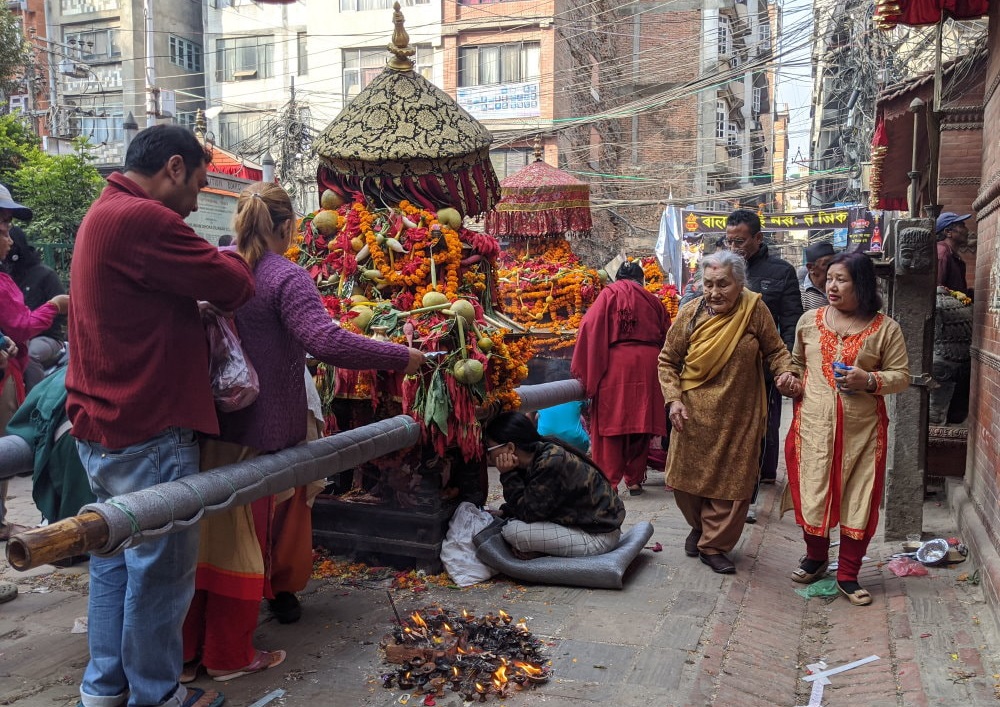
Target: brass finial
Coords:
[(400, 47), (538, 148), (200, 126)]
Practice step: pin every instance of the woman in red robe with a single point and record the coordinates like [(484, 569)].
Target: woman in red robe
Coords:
[(615, 359)]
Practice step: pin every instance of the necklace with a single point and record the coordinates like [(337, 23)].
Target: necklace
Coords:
[(852, 322)]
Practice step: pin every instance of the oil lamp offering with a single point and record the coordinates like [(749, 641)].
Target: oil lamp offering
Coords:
[(481, 691), (406, 682)]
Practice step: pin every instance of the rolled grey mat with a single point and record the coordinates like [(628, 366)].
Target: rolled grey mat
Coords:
[(596, 571)]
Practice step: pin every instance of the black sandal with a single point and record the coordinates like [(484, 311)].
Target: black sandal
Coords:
[(635, 490)]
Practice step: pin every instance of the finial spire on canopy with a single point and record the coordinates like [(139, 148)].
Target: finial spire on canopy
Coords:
[(538, 148), (400, 47)]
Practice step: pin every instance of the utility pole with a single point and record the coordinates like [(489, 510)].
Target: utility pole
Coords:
[(152, 93)]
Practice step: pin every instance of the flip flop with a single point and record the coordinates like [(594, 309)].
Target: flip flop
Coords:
[(196, 697), (262, 660)]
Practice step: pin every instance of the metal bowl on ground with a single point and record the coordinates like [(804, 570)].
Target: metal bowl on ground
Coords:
[(933, 552)]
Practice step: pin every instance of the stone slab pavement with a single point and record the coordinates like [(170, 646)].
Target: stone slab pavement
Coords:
[(677, 635)]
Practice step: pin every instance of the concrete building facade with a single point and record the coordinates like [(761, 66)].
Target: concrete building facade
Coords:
[(98, 67)]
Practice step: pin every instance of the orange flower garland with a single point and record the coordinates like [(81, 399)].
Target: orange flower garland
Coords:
[(379, 264)]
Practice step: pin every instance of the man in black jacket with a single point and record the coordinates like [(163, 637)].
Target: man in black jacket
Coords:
[(776, 281)]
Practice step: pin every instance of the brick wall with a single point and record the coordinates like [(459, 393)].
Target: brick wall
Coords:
[(982, 477)]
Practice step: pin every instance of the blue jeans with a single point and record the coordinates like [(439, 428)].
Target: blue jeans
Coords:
[(138, 598)]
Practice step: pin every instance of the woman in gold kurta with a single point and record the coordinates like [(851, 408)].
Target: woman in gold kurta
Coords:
[(713, 382), (851, 356)]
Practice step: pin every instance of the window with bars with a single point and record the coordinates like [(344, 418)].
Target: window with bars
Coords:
[(363, 65), (98, 119), (185, 54), (732, 134), (758, 100), (95, 45), (242, 58), (490, 64), (361, 5), (234, 128), (721, 119), (507, 162), (725, 36)]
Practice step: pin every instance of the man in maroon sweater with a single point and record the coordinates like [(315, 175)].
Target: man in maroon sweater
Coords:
[(138, 393)]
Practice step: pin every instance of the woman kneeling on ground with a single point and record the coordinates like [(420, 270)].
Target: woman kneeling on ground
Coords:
[(558, 501)]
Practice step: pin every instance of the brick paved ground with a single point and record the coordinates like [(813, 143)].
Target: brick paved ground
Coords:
[(676, 635)]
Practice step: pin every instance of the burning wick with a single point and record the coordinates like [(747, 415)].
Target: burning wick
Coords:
[(505, 617), (481, 691), (406, 682)]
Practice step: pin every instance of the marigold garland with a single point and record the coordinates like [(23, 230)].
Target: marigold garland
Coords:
[(666, 293), (549, 289), (374, 268)]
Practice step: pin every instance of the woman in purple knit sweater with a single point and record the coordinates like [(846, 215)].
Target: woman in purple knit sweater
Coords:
[(284, 320)]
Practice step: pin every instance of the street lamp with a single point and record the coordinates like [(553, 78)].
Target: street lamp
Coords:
[(131, 129)]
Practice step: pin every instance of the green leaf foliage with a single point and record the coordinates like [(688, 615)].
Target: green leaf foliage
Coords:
[(17, 143), (59, 189), (14, 55)]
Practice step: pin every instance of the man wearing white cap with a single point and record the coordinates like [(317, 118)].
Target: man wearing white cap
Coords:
[(952, 234)]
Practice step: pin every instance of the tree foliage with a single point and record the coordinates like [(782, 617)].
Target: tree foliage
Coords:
[(59, 189), (13, 52), (17, 142)]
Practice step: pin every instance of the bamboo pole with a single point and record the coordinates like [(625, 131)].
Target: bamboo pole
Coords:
[(105, 529)]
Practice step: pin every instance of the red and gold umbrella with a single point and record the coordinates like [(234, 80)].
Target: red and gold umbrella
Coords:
[(889, 13), (541, 201)]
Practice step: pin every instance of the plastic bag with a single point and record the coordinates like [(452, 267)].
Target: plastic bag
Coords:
[(904, 566), (823, 588), (234, 380), (458, 553)]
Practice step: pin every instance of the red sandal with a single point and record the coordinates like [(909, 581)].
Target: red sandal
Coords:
[(262, 660)]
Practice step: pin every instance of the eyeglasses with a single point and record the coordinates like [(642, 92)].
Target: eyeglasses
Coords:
[(495, 447)]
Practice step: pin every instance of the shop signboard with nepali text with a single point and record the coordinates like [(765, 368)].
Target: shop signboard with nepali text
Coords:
[(216, 206), (698, 223)]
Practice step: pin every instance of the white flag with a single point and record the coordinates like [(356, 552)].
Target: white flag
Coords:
[(668, 244)]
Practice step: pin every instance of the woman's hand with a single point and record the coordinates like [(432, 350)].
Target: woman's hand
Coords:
[(854, 379), (417, 360), (788, 385), (505, 461), (678, 414), (61, 303)]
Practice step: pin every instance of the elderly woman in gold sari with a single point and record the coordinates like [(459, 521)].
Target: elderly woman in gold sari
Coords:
[(851, 357), (713, 383)]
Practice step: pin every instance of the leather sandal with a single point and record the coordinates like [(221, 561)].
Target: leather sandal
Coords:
[(803, 576), (855, 593), (635, 490)]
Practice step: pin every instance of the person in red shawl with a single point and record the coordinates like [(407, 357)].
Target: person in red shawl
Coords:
[(615, 359)]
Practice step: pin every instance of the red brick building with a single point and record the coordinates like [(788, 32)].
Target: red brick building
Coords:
[(624, 99), (35, 98), (977, 503)]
